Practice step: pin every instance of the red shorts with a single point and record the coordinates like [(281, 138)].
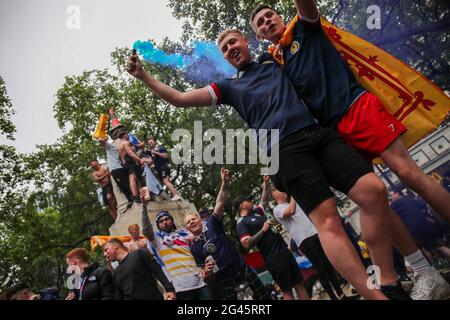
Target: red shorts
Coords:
[(368, 127)]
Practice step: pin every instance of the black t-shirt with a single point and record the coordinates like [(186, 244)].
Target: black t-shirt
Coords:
[(271, 244), (160, 163), (135, 277), (319, 74), (220, 247), (97, 284)]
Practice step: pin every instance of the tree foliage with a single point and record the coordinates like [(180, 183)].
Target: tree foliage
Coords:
[(416, 32), (7, 127)]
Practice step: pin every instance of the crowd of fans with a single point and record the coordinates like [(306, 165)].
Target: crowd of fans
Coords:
[(201, 262), (133, 165)]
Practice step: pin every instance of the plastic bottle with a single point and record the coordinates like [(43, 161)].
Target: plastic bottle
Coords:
[(211, 259), (147, 196)]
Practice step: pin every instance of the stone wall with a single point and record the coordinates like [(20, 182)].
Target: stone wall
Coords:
[(177, 209)]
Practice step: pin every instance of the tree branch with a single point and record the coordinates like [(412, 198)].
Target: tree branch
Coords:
[(441, 26), (427, 61), (341, 6), (69, 246), (386, 22)]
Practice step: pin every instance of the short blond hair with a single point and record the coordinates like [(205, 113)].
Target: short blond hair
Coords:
[(191, 213), (134, 225), (227, 32)]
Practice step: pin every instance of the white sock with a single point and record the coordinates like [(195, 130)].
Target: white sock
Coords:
[(419, 263)]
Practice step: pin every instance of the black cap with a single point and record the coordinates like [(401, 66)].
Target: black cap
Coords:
[(164, 213), (239, 199), (14, 289)]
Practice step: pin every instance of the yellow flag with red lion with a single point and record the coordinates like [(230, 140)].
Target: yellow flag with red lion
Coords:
[(413, 99)]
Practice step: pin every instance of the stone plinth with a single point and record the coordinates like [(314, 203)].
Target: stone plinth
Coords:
[(120, 198), (177, 209)]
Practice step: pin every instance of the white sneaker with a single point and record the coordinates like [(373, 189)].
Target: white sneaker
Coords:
[(176, 197), (430, 286)]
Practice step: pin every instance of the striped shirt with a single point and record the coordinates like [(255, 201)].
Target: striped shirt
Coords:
[(179, 262)]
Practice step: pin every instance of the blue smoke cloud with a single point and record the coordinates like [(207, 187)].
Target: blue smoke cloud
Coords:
[(203, 64)]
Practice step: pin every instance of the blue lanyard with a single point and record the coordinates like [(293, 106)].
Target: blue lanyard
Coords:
[(82, 287)]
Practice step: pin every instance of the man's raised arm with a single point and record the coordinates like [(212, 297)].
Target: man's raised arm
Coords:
[(265, 193), (131, 153), (163, 155), (307, 10), (194, 98), (223, 193), (147, 229), (290, 209)]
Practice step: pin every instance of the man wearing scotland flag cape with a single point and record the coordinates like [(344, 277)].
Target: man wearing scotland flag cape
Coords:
[(377, 103)]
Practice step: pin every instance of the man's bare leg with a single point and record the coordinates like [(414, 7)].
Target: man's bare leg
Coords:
[(339, 249), (407, 247), (444, 250), (133, 185), (401, 237), (428, 283), (170, 186), (301, 292), (112, 205), (370, 193), (288, 295), (397, 158)]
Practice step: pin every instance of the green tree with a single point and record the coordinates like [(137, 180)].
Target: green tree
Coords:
[(9, 159), (416, 32), (6, 111)]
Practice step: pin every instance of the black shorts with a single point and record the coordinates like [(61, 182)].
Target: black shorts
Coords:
[(107, 189), (130, 165), (285, 271), (312, 160), (163, 172)]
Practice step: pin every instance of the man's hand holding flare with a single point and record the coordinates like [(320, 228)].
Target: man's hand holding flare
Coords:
[(134, 65)]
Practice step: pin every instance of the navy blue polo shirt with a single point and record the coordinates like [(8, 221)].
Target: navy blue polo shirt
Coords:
[(264, 97), (319, 74), (271, 244), (159, 162), (226, 255), (446, 183)]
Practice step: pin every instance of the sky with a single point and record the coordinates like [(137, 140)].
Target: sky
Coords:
[(41, 44)]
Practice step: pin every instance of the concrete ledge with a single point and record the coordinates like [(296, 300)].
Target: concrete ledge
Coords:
[(177, 209)]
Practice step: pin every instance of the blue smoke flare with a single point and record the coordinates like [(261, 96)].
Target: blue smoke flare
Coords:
[(204, 63)]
